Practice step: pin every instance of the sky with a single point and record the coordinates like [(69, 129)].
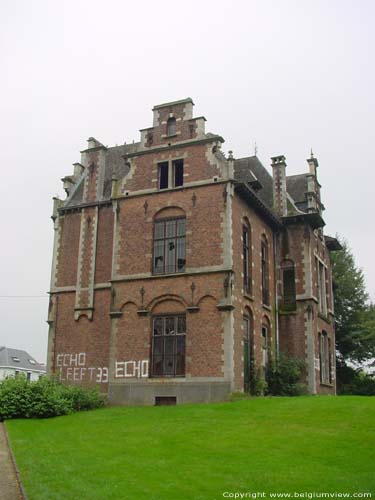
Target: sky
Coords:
[(285, 75)]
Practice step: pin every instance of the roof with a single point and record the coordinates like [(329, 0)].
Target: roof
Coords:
[(173, 103), (333, 244), (18, 359), (296, 185), (250, 169), (114, 165)]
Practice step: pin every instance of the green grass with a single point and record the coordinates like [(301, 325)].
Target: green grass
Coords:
[(305, 444)]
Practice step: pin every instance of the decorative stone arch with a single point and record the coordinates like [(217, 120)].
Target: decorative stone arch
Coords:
[(152, 306), (207, 296), (126, 304), (83, 314), (169, 212)]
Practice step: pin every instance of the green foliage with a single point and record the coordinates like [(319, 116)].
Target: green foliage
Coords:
[(239, 396), (284, 376), (354, 319), (44, 398), (352, 381), (258, 385)]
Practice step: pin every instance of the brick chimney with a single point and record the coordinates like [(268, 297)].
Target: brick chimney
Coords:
[(279, 185)]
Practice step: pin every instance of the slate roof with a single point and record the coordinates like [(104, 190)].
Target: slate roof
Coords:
[(296, 185), (250, 169), (9, 357), (114, 162)]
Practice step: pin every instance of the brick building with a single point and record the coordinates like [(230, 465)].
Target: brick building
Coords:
[(179, 273)]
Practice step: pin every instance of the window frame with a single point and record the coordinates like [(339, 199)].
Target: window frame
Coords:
[(171, 126), (265, 271), (246, 253), (154, 373), (325, 362), (177, 238), (171, 173)]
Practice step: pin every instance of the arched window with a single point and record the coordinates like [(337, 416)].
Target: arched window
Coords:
[(246, 243), (265, 272), (289, 284), (171, 126), (169, 245)]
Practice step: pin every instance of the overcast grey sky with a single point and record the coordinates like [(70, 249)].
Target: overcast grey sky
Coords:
[(289, 75)]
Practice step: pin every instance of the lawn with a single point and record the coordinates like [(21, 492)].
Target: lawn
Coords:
[(305, 444)]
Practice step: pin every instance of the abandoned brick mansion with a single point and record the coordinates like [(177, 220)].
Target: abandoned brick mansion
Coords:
[(178, 272)]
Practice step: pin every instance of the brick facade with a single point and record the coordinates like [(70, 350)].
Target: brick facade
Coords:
[(109, 298)]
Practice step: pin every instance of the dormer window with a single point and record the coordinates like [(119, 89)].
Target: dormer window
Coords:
[(171, 126), (15, 359)]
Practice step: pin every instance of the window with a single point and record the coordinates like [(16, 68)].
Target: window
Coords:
[(15, 359), (289, 284), (248, 355), (325, 363), (28, 376), (265, 291), (168, 346), (246, 259), (171, 174), (171, 126), (169, 246), (264, 348), (322, 291)]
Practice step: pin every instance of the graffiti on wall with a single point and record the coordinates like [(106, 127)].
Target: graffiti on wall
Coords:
[(73, 367)]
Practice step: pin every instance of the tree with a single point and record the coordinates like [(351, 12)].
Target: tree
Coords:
[(354, 317)]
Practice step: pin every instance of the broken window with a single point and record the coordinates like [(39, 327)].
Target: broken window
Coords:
[(168, 346), (171, 126), (169, 246)]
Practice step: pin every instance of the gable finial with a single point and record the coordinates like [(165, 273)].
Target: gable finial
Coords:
[(255, 148), (311, 154)]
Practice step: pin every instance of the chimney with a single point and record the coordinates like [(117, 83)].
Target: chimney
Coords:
[(279, 185)]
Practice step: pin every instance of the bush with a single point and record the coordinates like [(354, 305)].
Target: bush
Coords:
[(354, 381), (284, 376), (44, 398)]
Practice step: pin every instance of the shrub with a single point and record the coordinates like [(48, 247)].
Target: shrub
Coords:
[(354, 381), (44, 398), (284, 376)]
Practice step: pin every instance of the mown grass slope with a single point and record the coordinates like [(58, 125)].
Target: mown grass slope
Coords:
[(304, 444)]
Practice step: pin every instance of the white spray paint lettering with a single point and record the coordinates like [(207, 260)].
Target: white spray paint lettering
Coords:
[(72, 367)]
